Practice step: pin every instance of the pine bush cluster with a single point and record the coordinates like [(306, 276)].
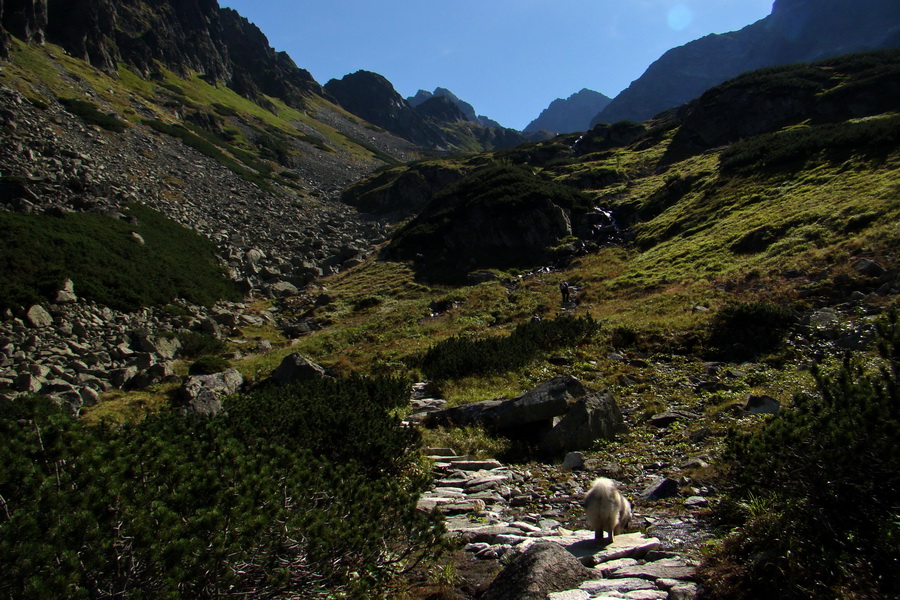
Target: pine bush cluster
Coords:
[(820, 483), (305, 492), (463, 357), (743, 330)]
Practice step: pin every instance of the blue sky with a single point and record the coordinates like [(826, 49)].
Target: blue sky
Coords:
[(508, 58)]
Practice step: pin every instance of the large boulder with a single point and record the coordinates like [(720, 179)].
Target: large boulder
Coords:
[(164, 346), (596, 416), (544, 568), (202, 394), (297, 369), (560, 415), (540, 405), (38, 317)]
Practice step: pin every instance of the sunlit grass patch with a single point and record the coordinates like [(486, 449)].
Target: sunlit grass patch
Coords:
[(119, 406)]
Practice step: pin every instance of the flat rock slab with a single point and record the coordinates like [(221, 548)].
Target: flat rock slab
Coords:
[(623, 586), (608, 567), (629, 545), (647, 595), (669, 568), (481, 484), (569, 595), (474, 465)]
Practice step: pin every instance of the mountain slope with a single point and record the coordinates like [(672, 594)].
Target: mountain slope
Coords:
[(682, 185), (796, 31), (246, 174), (571, 114), (195, 36)]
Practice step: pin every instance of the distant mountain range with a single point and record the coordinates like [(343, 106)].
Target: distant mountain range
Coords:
[(196, 36), (438, 121), (570, 115), (796, 31)]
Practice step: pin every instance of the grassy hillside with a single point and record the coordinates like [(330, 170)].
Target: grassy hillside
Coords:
[(262, 144), (750, 262), (736, 253)]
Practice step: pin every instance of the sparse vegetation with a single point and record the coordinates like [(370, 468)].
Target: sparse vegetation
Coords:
[(89, 112), (208, 364)]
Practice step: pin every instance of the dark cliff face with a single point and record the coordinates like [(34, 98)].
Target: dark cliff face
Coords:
[(442, 109), (182, 35), (796, 31)]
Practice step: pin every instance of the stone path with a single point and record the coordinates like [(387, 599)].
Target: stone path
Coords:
[(499, 511), (485, 505)]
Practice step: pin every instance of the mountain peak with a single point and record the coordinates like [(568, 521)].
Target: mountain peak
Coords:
[(571, 114)]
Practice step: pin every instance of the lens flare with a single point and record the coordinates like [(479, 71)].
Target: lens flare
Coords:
[(680, 17)]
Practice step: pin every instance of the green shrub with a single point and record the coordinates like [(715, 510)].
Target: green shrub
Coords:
[(209, 364), (89, 113), (194, 344), (105, 261), (462, 357), (367, 302), (782, 148), (281, 496), (818, 487), (744, 330)]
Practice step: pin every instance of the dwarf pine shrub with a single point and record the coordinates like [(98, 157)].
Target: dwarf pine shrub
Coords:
[(743, 330), (462, 357), (311, 491), (824, 479)]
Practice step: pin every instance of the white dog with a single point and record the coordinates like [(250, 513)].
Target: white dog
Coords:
[(606, 509)]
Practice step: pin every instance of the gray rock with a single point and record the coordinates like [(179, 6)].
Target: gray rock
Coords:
[(601, 587), (696, 502), (762, 405), (283, 289), (66, 295), (26, 382), (573, 461), (671, 568), (542, 569), (542, 404), (296, 369), (89, 396), (869, 268), (684, 591), (594, 417), (664, 419), (119, 378), (38, 317), (202, 394), (164, 346), (570, 595), (661, 487)]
